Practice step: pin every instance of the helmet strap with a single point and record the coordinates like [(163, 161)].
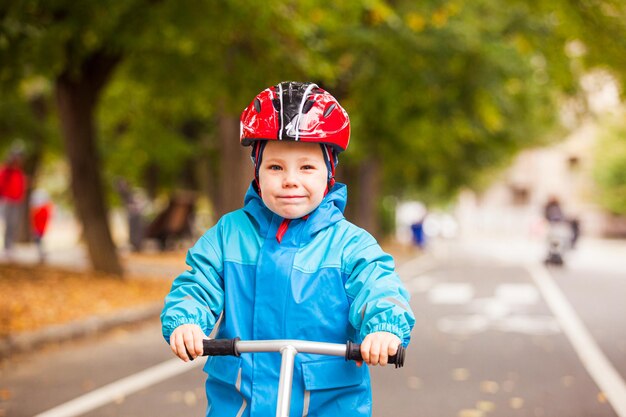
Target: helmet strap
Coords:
[(257, 157), (331, 160)]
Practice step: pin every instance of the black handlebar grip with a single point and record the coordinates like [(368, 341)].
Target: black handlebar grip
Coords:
[(220, 347), (353, 353)]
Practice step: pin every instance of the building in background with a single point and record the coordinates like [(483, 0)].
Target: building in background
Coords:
[(514, 203)]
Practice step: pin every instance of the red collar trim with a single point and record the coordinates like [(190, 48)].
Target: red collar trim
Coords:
[(282, 229)]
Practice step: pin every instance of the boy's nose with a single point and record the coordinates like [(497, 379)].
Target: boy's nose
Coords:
[(289, 180)]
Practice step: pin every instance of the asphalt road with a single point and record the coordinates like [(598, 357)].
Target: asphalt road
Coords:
[(496, 335), (489, 343)]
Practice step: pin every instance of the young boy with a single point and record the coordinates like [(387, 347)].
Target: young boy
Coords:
[(288, 265)]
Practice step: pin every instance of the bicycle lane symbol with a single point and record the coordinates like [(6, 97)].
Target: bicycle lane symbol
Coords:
[(505, 311)]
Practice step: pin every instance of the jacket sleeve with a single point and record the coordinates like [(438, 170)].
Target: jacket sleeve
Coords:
[(197, 295), (379, 301)]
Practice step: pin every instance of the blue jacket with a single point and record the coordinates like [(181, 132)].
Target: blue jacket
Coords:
[(327, 280)]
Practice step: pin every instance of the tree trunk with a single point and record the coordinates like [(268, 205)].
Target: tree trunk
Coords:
[(151, 180), (235, 171), (368, 196), (206, 172), (77, 95)]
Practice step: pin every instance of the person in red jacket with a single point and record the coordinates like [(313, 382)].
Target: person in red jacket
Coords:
[(40, 213), (12, 192)]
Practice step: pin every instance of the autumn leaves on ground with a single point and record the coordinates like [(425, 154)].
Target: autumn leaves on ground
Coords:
[(32, 297)]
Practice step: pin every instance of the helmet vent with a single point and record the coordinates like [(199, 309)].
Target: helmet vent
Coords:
[(307, 106), (257, 105), (276, 103), (329, 110)]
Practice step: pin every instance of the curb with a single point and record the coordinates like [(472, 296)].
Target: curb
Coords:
[(90, 326)]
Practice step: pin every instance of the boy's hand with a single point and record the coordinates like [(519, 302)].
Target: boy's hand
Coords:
[(377, 347), (186, 341)]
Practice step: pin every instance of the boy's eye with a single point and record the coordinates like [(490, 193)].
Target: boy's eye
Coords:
[(308, 167), (274, 167)]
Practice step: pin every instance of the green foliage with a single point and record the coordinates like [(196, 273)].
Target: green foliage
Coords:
[(445, 90), (442, 91), (610, 166), (17, 121), (27, 117), (593, 31), (202, 61), (47, 37)]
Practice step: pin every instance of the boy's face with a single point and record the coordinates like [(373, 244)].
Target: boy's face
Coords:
[(292, 178)]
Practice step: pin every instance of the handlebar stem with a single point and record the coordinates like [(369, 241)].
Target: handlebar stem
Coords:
[(288, 354)]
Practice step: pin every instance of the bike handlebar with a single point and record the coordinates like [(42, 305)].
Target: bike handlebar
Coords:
[(220, 347), (234, 347), (353, 353)]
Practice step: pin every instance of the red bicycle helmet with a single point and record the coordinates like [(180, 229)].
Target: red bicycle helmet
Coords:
[(298, 112)]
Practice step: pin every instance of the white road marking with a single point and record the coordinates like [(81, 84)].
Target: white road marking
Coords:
[(518, 294), (494, 313), (121, 388), (451, 293), (531, 325), (463, 325), (592, 357), (491, 308)]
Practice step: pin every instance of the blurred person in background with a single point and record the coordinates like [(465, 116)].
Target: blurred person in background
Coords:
[(552, 210), (134, 205), (40, 213), (554, 214), (12, 192), (417, 229), (563, 232)]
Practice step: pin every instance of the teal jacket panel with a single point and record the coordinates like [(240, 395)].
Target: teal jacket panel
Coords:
[(327, 280)]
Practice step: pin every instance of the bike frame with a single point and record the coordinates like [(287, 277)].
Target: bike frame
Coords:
[(288, 350)]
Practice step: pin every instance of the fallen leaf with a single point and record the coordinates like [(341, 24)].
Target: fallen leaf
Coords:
[(190, 398), (567, 381), (489, 387), (486, 406), (5, 394), (471, 413), (516, 403), (460, 374)]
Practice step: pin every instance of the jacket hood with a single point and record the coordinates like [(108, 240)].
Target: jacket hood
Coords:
[(329, 212)]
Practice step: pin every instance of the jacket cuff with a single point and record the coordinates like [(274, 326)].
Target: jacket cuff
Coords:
[(169, 328), (389, 328)]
